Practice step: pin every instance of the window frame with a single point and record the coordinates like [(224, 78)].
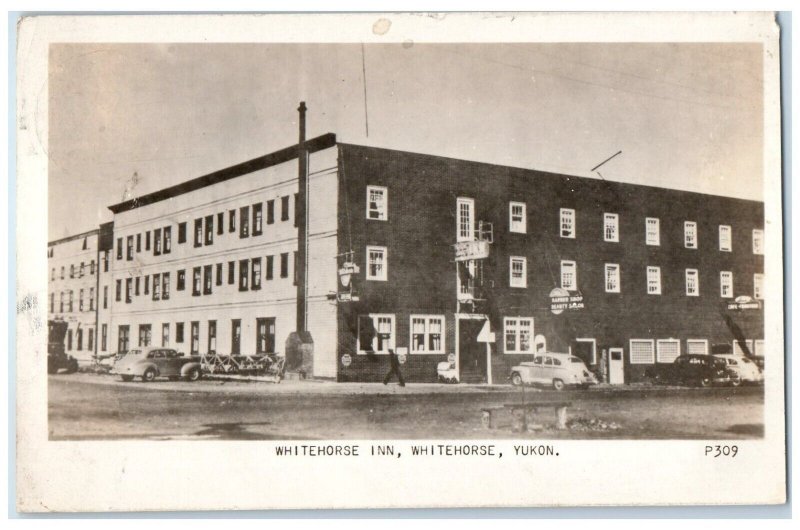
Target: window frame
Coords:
[(383, 213), (652, 351), (517, 329), (611, 220), (689, 273), (375, 322), (758, 242), (655, 240), (567, 223), (470, 204), (427, 319), (521, 226), (606, 267), (258, 219), (723, 283), (255, 274), (384, 265), (758, 285), (659, 342), (690, 228), (697, 341), (725, 229), (575, 274), (523, 281), (657, 270)]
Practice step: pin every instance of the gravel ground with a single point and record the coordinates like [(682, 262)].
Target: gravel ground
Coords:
[(89, 406)]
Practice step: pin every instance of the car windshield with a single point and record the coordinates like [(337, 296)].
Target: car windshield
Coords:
[(575, 360), (745, 360)]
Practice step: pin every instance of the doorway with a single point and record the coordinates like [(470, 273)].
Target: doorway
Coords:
[(616, 366), (471, 353)]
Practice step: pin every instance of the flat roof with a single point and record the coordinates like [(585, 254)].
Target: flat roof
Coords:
[(72, 238), (272, 159)]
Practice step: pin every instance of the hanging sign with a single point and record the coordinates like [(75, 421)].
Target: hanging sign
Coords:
[(346, 272), (741, 303), (486, 334), (346, 360), (346, 297), (561, 300), (469, 250)]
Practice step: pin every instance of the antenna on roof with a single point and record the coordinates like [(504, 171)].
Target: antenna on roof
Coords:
[(604, 161)]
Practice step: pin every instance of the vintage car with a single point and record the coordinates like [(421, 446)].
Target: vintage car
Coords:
[(151, 362), (556, 369), (691, 369), (743, 369)]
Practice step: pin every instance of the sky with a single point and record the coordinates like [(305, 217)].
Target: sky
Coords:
[(129, 119)]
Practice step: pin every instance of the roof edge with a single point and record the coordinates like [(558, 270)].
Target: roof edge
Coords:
[(73, 237)]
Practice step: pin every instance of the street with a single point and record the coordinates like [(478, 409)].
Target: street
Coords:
[(95, 407)]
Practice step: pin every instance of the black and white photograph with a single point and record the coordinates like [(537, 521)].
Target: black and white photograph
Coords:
[(451, 249)]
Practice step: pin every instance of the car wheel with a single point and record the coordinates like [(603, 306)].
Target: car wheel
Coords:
[(127, 378), (705, 382), (516, 379), (736, 380), (193, 374), (558, 384), (149, 375)]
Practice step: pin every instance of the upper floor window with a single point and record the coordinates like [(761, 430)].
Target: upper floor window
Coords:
[(517, 220), (284, 264), (208, 279), (128, 290), (165, 286), (377, 197), (612, 278), (231, 220), (652, 231), (611, 227), (758, 241), (653, 280), (167, 239), (244, 267), (569, 276), (119, 248), (147, 240), (285, 208), (219, 274), (209, 230), (726, 284), (567, 223), (198, 232), (758, 286), (196, 281), (181, 232), (220, 223), (157, 241), (72, 271), (270, 211), (257, 219), (725, 238), (518, 334), (181, 280), (465, 228), (376, 263), (427, 334), (518, 276), (690, 234), (130, 248), (156, 286), (270, 266), (138, 242), (692, 282), (255, 280), (244, 217)]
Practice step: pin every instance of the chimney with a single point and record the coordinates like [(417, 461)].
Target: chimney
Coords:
[(301, 216)]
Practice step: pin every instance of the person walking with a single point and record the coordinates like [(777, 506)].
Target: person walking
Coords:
[(394, 368)]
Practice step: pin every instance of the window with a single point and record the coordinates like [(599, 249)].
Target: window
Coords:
[(209, 239), (91, 298), (181, 232), (105, 297), (104, 337), (165, 286), (265, 335), (758, 286), (147, 240), (157, 242), (726, 284), (119, 291), (145, 334), (52, 302), (285, 208), (376, 333), (377, 203), (195, 338), (518, 334), (611, 227), (147, 285), (376, 263), (196, 281), (52, 274), (106, 259), (156, 286), (567, 223), (80, 300), (243, 270), (165, 335), (255, 281), (219, 274), (739, 346), (270, 263), (198, 232), (90, 339), (758, 242), (208, 279), (692, 283), (653, 280), (91, 268), (257, 219), (128, 290), (138, 242), (236, 336), (296, 208), (465, 229), (518, 271), (220, 223), (62, 273), (72, 271), (119, 251), (569, 276), (136, 286), (231, 220), (179, 332), (82, 270), (642, 351), (80, 339), (612, 278), (517, 220), (167, 239), (427, 334), (182, 279), (690, 234), (231, 272), (212, 336), (270, 211), (668, 350), (244, 226), (124, 338), (725, 238), (285, 265), (697, 347), (652, 232), (61, 302)]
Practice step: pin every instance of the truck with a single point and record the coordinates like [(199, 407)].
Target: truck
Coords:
[(57, 358)]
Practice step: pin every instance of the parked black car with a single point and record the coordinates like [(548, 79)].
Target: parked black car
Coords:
[(695, 370)]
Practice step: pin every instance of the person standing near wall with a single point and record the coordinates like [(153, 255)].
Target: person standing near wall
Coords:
[(394, 368)]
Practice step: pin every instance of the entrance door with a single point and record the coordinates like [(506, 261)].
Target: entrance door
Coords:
[(471, 353), (616, 367)]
